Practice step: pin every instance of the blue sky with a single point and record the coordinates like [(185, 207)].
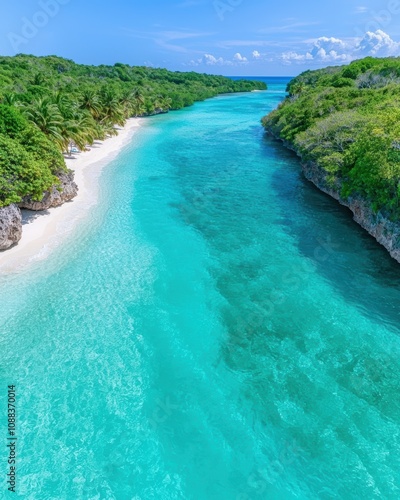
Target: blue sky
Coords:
[(231, 37)]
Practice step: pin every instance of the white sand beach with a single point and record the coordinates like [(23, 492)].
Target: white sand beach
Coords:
[(44, 231)]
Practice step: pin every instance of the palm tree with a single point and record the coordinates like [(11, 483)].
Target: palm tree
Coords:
[(127, 101), (10, 99), (77, 126), (109, 130), (66, 107), (150, 106), (138, 96), (162, 104), (90, 101), (297, 89), (46, 116), (111, 110), (138, 109), (79, 130), (157, 103), (100, 131), (166, 103), (38, 79)]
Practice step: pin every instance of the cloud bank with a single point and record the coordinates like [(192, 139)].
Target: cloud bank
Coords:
[(334, 50), (321, 51)]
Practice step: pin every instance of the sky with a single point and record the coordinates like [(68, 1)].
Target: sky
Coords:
[(229, 37)]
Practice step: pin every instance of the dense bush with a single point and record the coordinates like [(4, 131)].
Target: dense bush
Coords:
[(11, 121), (20, 173), (28, 160), (347, 121)]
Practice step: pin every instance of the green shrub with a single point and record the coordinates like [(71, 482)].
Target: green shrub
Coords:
[(20, 173), (351, 131)]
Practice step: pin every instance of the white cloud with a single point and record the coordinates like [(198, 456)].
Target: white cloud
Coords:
[(378, 44), (335, 50), (324, 49), (238, 57), (328, 48), (288, 57), (211, 60), (321, 51)]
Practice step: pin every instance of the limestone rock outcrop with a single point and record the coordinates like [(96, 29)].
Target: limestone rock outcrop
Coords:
[(56, 196), (10, 226), (385, 231)]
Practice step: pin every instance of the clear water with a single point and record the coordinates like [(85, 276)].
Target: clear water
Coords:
[(219, 329)]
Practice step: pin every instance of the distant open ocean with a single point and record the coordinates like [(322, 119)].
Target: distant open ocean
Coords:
[(274, 82)]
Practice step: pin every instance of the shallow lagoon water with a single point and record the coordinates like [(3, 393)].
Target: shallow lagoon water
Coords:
[(218, 329)]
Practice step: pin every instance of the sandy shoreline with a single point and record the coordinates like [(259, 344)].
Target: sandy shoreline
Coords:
[(44, 231)]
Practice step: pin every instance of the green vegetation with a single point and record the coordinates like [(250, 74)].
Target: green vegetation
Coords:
[(347, 121), (29, 161), (49, 104)]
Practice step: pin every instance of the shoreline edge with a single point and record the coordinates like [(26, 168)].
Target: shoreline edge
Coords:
[(44, 231)]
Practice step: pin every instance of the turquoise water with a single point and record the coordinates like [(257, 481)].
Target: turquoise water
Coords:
[(219, 329)]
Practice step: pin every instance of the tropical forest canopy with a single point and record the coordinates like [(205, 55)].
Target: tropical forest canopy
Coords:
[(347, 120), (48, 104)]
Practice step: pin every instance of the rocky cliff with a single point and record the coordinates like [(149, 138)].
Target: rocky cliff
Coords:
[(385, 231), (56, 196), (10, 226), (11, 218)]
